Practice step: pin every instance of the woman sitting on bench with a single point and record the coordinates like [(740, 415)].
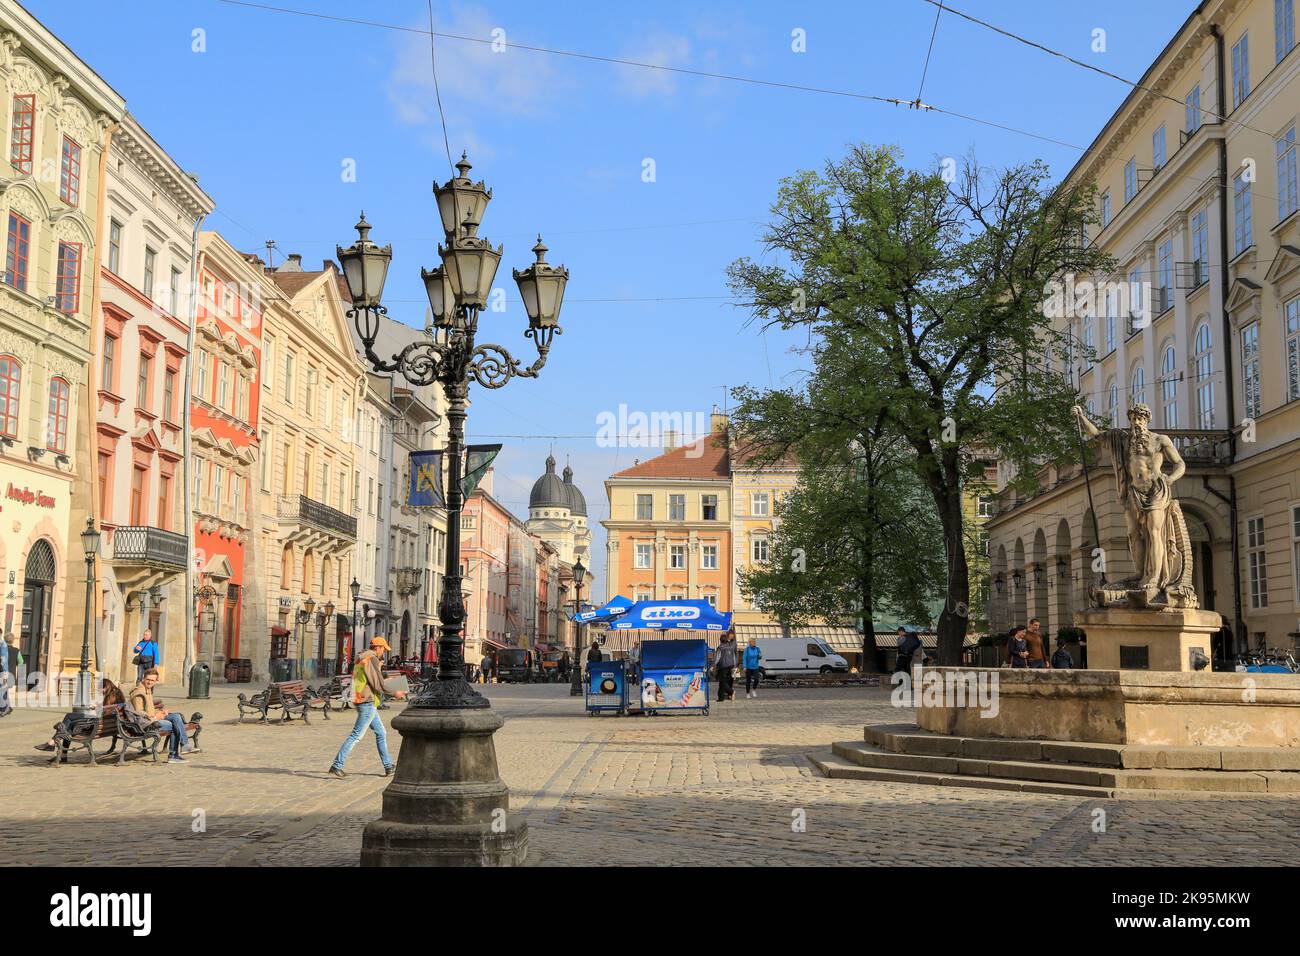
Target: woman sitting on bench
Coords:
[(109, 695)]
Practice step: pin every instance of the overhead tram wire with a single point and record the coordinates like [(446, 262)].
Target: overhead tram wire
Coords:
[(640, 64), (930, 50)]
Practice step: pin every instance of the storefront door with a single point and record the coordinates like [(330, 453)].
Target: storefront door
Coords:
[(32, 630)]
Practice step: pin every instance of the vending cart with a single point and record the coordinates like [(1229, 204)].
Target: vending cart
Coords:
[(605, 688), (673, 677)]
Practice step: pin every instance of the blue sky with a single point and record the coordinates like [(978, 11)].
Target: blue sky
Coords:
[(269, 113)]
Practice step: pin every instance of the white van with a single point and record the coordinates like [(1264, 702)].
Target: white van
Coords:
[(798, 656)]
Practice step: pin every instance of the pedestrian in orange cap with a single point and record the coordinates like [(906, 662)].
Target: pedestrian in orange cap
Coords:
[(367, 692)]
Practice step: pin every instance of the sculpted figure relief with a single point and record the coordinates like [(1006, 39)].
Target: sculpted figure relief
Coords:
[(1157, 533)]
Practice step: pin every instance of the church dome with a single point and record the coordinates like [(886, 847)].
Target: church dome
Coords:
[(577, 503), (549, 491)]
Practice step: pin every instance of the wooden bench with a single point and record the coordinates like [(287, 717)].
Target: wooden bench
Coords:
[(289, 696), (122, 724), (338, 688)]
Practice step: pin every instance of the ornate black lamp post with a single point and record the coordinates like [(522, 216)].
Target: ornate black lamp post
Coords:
[(355, 588), (447, 771), (579, 575), (85, 693)]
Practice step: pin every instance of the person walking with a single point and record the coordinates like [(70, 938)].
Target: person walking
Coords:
[(140, 699), (146, 655), (1037, 641), (908, 643), (1062, 659), (753, 661), (485, 668), (6, 677), (1017, 647), (367, 691), (725, 664)]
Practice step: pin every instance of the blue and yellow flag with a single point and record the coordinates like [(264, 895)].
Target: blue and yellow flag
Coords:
[(426, 480)]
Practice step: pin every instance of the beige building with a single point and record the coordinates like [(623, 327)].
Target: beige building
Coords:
[(756, 492), (308, 497), (59, 116), (1196, 176)]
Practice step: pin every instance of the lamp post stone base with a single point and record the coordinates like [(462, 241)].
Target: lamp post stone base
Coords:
[(447, 804)]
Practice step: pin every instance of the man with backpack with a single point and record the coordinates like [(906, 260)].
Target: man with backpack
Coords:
[(725, 663), (908, 644), (1062, 658)]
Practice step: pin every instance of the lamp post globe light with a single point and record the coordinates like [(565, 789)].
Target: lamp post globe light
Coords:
[(85, 692), (579, 575), (444, 803)]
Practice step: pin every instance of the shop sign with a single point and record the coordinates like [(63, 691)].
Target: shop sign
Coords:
[(26, 496)]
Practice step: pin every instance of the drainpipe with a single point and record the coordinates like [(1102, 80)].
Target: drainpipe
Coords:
[(191, 604), (1239, 624)]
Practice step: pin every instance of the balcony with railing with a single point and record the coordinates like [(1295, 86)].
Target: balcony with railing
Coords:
[(150, 547), (306, 517)]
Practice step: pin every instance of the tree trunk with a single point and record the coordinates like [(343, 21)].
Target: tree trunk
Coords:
[(869, 649), (955, 617)]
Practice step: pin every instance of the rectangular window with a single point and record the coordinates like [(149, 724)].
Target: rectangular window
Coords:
[(1105, 209), (70, 173), (709, 557), (202, 377), (1250, 369), (218, 490), (1112, 312), (1283, 28), (645, 510), (20, 233), (676, 507), (758, 504), (138, 478), (644, 556), (115, 247), (142, 382), (310, 405), (164, 501), (1130, 179), (174, 293), (1193, 101), (1295, 548), (676, 557), (265, 452), (1165, 274), (1158, 147), (108, 370), (268, 363), (105, 470), (169, 395), (1200, 247), (985, 506), (759, 551), (67, 281), (1292, 326), (1284, 150), (150, 261), (1241, 212), (23, 133), (1240, 70), (1257, 563), (198, 482), (223, 385), (288, 378), (56, 425), (1137, 314), (709, 507)]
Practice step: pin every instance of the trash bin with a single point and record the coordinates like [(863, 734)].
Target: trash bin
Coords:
[(200, 681)]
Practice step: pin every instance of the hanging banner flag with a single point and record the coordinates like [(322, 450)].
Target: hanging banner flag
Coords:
[(426, 480), (478, 458)]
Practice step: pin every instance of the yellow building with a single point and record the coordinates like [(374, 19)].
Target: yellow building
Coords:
[(1196, 177), (59, 118), (756, 493)]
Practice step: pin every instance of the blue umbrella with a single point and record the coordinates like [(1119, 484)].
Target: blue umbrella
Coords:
[(673, 615), (613, 608)]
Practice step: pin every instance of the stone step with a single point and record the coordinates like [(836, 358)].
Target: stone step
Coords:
[(909, 739), (832, 765)]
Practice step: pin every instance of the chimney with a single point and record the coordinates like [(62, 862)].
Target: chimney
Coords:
[(486, 482), (717, 421), (293, 263), (670, 439)]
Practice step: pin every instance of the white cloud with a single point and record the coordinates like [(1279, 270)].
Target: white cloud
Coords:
[(660, 49)]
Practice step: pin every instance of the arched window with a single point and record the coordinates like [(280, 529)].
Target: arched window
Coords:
[(1203, 374), (1169, 385), (1112, 401), (286, 566), (1137, 385), (11, 380), (308, 570), (56, 429), (324, 576)]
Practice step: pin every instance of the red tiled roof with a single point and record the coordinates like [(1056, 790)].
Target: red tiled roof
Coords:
[(743, 455), (705, 458)]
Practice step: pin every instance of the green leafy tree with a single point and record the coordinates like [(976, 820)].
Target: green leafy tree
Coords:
[(933, 293)]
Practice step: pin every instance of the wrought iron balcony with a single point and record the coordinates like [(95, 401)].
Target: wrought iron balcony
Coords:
[(137, 544), (309, 513)]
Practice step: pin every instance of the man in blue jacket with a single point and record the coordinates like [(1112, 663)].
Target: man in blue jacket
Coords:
[(146, 654), (753, 661)]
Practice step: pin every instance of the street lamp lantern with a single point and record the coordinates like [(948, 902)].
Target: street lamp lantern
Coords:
[(442, 301), (355, 588), (461, 200), (328, 610), (365, 267), (579, 574), (90, 540), (541, 286), (309, 606), (470, 265), (85, 696)]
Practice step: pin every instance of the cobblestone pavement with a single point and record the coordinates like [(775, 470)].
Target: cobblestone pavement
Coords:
[(726, 789)]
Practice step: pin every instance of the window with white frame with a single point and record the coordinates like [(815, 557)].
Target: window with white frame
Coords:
[(985, 507), (758, 504), (677, 557), (708, 507), (676, 507), (713, 600), (1292, 326), (1169, 385), (708, 557), (1240, 70), (645, 509), (1241, 212), (1137, 385), (1250, 369), (1284, 150), (1130, 179), (1137, 308), (1203, 368), (643, 557), (1201, 246), (1112, 401), (1257, 563), (1283, 28), (759, 550), (1165, 274), (1112, 310), (644, 596), (1193, 113), (1105, 209), (1158, 147)]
